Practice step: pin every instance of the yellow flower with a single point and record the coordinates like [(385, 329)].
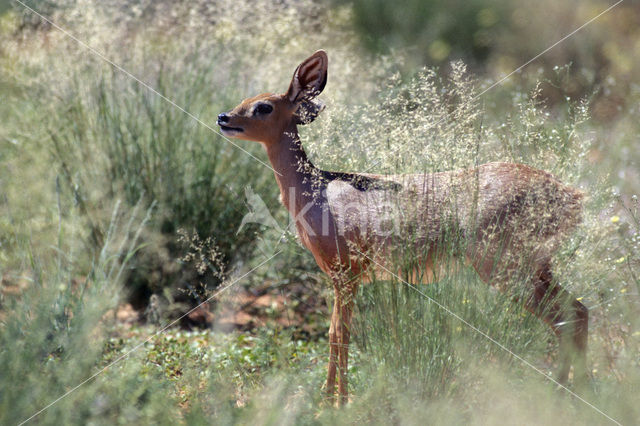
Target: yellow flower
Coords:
[(620, 260), (615, 219), (623, 290)]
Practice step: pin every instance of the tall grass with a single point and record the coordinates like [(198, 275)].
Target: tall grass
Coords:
[(79, 135), (53, 335), (138, 145)]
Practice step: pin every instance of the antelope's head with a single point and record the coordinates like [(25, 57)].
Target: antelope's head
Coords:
[(265, 117)]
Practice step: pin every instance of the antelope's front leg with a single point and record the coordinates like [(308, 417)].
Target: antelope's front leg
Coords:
[(333, 352), (344, 334)]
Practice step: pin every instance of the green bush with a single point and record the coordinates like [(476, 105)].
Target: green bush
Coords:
[(434, 31), (136, 145)]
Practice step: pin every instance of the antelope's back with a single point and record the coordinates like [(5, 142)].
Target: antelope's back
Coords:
[(493, 202)]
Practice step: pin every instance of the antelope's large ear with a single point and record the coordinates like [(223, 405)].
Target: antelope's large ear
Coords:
[(309, 78)]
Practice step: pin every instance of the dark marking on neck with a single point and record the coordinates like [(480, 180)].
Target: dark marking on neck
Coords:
[(363, 183)]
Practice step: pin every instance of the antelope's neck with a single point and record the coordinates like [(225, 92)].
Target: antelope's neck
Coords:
[(294, 172)]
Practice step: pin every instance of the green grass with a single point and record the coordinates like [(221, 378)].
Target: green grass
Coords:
[(98, 175)]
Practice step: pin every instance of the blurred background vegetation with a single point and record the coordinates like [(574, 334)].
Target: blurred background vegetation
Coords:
[(119, 212)]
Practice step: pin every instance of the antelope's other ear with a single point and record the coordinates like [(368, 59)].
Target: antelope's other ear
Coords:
[(308, 110), (309, 78)]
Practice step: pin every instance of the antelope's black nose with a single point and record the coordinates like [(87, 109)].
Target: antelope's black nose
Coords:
[(223, 118)]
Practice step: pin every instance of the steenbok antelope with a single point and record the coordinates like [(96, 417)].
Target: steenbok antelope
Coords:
[(509, 218)]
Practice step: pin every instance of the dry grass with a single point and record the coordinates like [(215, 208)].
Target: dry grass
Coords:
[(77, 136)]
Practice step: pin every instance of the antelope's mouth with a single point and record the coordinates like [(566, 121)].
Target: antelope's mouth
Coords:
[(229, 129)]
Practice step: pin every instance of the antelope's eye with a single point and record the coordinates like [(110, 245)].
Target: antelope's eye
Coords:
[(262, 109)]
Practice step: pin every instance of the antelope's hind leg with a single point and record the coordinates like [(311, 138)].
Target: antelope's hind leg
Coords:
[(568, 318)]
